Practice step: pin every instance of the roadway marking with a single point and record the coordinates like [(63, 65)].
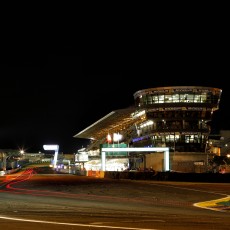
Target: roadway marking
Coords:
[(213, 204), (73, 224)]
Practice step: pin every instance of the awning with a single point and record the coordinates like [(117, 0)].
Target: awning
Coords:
[(113, 122)]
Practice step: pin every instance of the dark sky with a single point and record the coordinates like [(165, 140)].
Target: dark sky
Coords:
[(50, 94)]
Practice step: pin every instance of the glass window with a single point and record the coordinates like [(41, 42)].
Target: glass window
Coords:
[(149, 98), (190, 98), (168, 98), (203, 97), (187, 138), (175, 98), (144, 100), (161, 98), (155, 99)]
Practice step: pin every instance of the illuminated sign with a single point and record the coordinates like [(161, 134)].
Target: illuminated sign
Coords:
[(50, 147), (81, 157), (55, 148)]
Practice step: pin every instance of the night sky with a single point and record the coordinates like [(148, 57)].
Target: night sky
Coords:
[(50, 94)]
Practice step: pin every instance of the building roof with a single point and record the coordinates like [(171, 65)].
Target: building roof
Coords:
[(112, 122)]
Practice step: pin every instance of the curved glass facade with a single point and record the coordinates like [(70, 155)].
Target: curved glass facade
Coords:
[(177, 117)]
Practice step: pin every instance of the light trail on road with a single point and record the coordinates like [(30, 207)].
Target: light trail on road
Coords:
[(88, 203)]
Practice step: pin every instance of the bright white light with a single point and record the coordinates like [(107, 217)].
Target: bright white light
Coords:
[(146, 123), (136, 149), (117, 137), (166, 160), (103, 159), (118, 164), (50, 147), (138, 114)]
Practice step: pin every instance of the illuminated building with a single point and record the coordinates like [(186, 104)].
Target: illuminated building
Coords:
[(176, 117)]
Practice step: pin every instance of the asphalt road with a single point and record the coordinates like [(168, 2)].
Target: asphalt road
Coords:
[(39, 199)]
